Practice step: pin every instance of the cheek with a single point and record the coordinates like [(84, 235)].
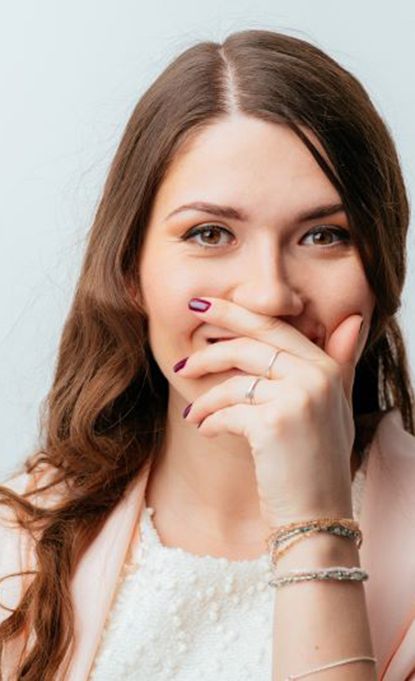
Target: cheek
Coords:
[(347, 293), (160, 284), (166, 291), (165, 316)]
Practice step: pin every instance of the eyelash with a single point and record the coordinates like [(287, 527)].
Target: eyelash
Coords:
[(343, 234)]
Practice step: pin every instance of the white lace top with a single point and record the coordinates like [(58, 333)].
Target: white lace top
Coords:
[(185, 617)]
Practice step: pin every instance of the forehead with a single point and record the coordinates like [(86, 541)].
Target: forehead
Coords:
[(249, 161)]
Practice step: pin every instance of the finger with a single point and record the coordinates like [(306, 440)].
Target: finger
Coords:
[(256, 421), (229, 392), (243, 322), (233, 390), (237, 419), (343, 345), (221, 358), (245, 354)]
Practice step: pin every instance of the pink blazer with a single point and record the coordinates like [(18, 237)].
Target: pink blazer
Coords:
[(387, 553)]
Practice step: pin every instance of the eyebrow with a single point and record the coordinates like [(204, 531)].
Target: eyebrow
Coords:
[(230, 213)]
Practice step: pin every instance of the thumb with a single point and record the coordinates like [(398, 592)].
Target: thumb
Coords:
[(343, 346)]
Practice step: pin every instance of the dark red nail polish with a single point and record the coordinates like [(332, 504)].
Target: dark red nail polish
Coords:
[(187, 409), (180, 364), (199, 304)]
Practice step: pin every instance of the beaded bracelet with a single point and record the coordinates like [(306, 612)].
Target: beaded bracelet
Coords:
[(333, 525), (339, 526), (297, 534), (293, 533), (338, 572), (335, 528)]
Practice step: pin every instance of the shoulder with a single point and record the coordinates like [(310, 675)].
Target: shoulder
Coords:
[(11, 542), (391, 476), (17, 543), (18, 483), (388, 550)]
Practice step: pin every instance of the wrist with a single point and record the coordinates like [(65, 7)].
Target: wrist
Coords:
[(339, 511)]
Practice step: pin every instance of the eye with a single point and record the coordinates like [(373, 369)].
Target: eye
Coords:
[(215, 231), (343, 235), (212, 230)]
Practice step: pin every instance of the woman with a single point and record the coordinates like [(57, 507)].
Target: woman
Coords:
[(192, 455)]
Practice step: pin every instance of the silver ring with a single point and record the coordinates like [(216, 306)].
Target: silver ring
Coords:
[(273, 358), (250, 393)]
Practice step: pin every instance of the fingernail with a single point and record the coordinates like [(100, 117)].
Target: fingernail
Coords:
[(186, 410), (180, 364), (199, 304)]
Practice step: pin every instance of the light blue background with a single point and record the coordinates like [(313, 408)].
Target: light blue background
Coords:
[(70, 76)]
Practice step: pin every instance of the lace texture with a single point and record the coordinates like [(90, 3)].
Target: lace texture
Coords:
[(176, 615)]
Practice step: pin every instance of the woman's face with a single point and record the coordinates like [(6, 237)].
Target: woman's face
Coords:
[(258, 252)]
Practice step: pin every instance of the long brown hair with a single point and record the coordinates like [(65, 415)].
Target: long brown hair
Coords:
[(105, 414)]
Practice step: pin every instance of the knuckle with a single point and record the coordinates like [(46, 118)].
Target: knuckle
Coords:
[(305, 401), (271, 324), (274, 421), (324, 384), (327, 378), (280, 419), (333, 369)]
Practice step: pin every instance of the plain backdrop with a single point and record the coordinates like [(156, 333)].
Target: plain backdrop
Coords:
[(70, 76)]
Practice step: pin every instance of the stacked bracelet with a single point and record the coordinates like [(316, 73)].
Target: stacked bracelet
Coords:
[(295, 532), (287, 536), (332, 573)]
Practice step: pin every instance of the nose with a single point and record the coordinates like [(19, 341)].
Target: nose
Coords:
[(265, 286)]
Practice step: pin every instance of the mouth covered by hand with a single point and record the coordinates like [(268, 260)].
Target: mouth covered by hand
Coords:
[(301, 416)]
